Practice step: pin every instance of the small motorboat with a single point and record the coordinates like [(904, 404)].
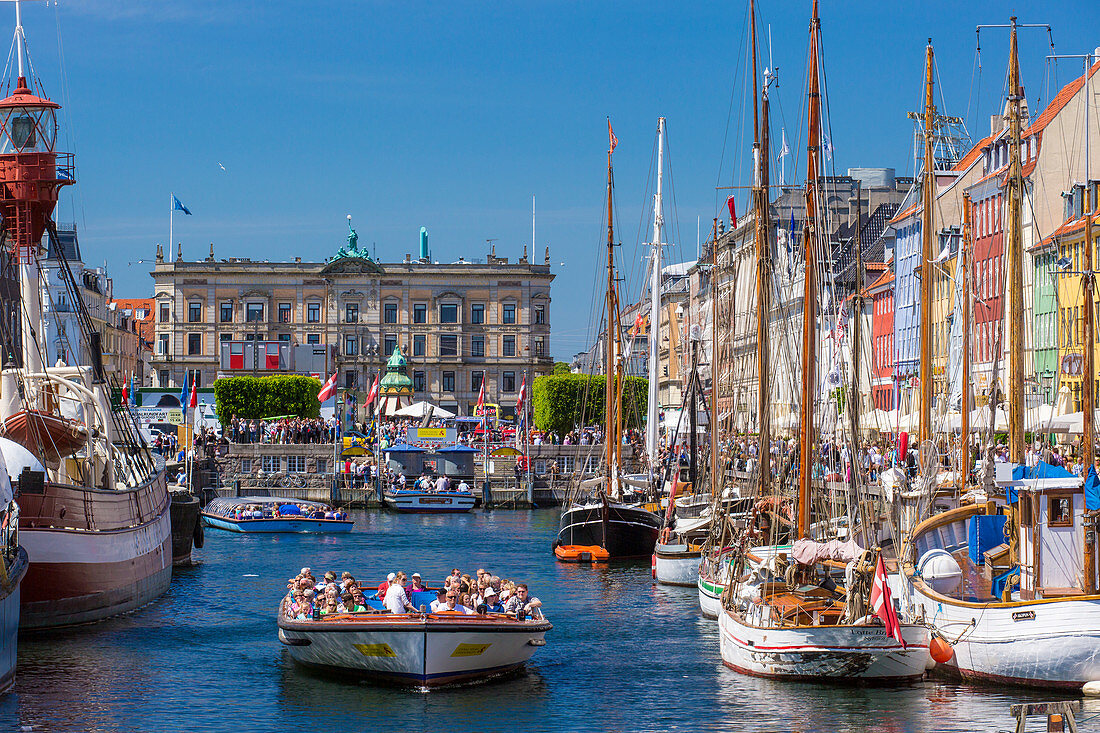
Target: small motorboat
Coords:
[(581, 553), (273, 514), (411, 501), (414, 649), (54, 436)]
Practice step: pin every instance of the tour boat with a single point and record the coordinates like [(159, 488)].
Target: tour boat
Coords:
[(416, 649), (411, 501), (266, 514), (13, 566)]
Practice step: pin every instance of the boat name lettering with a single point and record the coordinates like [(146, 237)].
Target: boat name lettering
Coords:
[(1023, 616), (470, 650), (375, 650), (434, 500)]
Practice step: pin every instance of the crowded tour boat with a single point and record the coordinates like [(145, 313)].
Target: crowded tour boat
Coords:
[(274, 514), (471, 629), (430, 495)]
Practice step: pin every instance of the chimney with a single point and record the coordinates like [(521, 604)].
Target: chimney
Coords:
[(179, 252), (546, 260)]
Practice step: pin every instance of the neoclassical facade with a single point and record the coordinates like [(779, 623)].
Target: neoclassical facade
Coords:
[(457, 323)]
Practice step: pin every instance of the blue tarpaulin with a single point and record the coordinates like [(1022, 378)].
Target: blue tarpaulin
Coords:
[(403, 448), (1039, 470), (286, 509), (1092, 490)]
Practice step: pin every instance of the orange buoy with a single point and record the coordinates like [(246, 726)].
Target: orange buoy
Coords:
[(581, 553), (940, 650), (653, 565)]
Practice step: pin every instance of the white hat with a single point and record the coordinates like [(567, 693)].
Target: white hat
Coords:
[(489, 592), (416, 575), (504, 594), (305, 570), (391, 577)]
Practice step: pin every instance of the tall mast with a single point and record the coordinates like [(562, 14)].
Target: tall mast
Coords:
[(763, 294), (967, 244), (809, 293), (1014, 252), (1088, 402), (655, 301), (926, 275), (609, 352), (857, 323)]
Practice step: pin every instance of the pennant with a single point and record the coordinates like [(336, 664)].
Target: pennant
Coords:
[(125, 393), (733, 209), (185, 393), (612, 140), (194, 401), (883, 605), (522, 396), (828, 145), (481, 397), (329, 389), (177, 205)]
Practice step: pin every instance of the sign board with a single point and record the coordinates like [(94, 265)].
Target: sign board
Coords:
[(433, 435), (151, 415)]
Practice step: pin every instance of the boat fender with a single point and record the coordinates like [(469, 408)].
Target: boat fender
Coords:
[(666, 534), (653, 565), (542, 642), (1090, 688), (198, 537), (940, 650)]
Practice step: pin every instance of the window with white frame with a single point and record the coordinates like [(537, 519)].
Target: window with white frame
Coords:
[(271, 464)]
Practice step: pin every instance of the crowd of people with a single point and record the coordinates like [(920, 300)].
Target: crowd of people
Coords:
[(286, 510), (461, 593), (284, 431)]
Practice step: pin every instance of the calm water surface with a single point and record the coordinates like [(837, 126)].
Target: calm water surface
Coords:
[(624, 655)]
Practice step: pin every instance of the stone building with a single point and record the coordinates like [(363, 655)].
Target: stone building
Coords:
[(457, 323)]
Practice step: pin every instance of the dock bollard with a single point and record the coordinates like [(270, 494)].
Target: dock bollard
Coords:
[(487, 494)]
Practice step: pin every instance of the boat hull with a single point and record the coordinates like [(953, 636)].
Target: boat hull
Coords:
[(423, 502), (42, 433), (9, 620), (428, 651), (1049, 643), (677, 565), (93, 554), (710, 596), (631, 531), (863, 654), (260, 526), (186, 527)]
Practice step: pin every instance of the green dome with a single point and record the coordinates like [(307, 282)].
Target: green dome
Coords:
[(396, 381)]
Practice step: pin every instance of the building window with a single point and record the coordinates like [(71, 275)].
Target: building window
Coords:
[(284, 337), (194, 344), (351, 379), (477, 313), (313, 312), (226, 312), (419, 344), (194, 312), (540, 347), (351, 345), (165, 313), (164, 377), (420, 312), (389, 313), (351, 313), (254, 312), (271, 464), (246, 465), (162, 346), (284, 312), (448, 313), (477, 346), (476, 378), (509, 313), (1060, 512), (295, 464), (389, 344), (508, 381), (448, 381), (322, 466), (313, 338), (418, 381), (448, 345), (540, 314), (509, 345), (225, 337)]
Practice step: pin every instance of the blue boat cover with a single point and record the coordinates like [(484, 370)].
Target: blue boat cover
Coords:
[(403, 448), (1092, 490), (458, 449), (289, 509), (1039, 470)]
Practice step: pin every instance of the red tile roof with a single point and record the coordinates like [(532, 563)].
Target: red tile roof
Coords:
[(1059, 102)]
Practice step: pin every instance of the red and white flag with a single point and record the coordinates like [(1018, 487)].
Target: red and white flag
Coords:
[(612, 140), (481, 397), (522, 397), (732, 204), (883, 604), (329, 389), (125, 393), (373, 394), (194, 401)]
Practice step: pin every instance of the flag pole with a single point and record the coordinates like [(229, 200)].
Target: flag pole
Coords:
[(171, 222)]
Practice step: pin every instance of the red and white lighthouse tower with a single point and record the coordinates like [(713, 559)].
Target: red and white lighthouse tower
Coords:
[(31, 175)]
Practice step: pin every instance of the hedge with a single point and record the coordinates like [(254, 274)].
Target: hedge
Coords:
[(261, 397), (565, 401)]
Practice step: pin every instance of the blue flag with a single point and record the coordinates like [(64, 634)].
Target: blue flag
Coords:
[(177, 205), (185, 393), (133, 390)]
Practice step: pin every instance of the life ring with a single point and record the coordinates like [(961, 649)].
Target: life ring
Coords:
[(198, 535), (666, 534)]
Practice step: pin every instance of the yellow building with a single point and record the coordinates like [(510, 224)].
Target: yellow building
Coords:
[(1069, 239), (943, 304)]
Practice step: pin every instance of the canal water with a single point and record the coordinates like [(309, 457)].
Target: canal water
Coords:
[(624, 655)]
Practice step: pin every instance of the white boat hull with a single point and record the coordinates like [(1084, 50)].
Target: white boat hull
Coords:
[(423, 502), (1048, 643), (710, 596), (677, 565), (823, 653), (413, 650)]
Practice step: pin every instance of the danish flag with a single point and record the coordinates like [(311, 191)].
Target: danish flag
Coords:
[(481, 397), (883, 604), (522, 396), (329, 389), (373, 394)]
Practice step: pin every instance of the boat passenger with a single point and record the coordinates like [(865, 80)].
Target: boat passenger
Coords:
[(330, 606), (415, 586), (463, 486), (492, 602), (355, 602), (523, 604), (384, 586), (344, 578), (305, 612), (396, 600), (453, 606), (440, 602)]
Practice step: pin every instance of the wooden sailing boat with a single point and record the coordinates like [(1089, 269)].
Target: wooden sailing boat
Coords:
[(1035, 620), (796, 623), (598, 514)]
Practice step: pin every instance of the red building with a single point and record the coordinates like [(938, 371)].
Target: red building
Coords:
[(881, 293)]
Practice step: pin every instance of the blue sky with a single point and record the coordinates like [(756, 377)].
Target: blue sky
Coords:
[(452, 115)]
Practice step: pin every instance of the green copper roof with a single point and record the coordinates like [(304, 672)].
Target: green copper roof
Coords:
[(396, 380)]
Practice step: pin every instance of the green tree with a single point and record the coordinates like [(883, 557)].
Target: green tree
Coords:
[(561, 367), (262, 397), (565, 401)]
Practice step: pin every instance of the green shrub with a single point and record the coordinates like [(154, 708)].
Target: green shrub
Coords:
[(262, 397), (565, 401)]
